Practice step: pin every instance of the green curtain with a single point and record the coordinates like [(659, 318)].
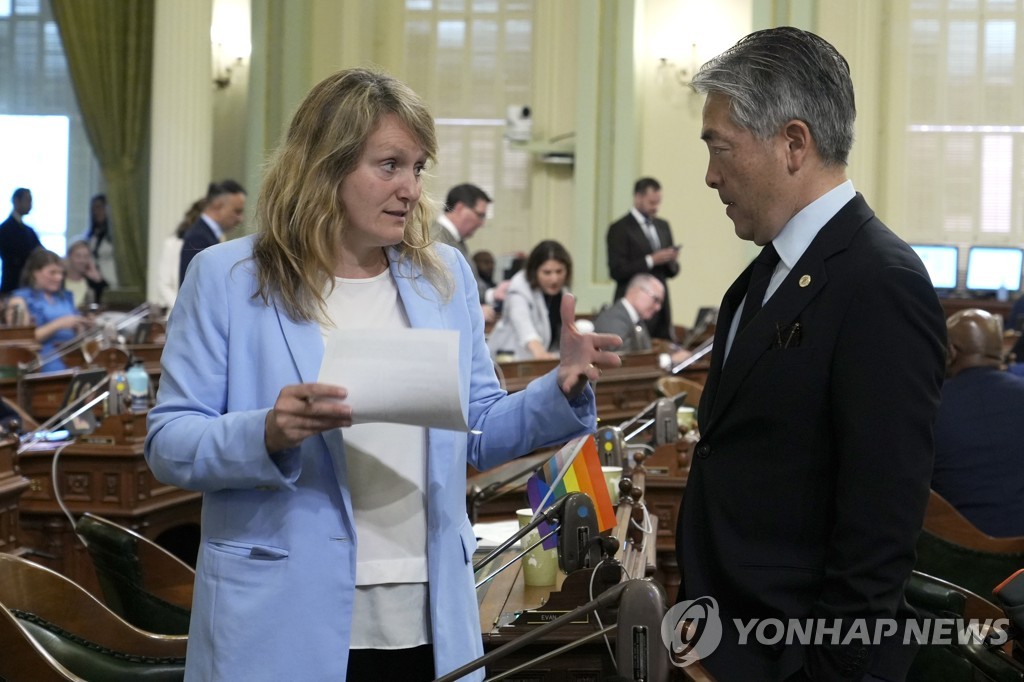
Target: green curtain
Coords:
[(109, 48)]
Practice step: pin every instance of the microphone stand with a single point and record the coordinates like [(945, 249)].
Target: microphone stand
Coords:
[(700, 352), (78, 341), (77, 407), (677, 401), (606, 599), (481, 495), (550, 515)]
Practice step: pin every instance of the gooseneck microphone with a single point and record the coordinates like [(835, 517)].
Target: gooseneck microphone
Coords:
[(641, 606)]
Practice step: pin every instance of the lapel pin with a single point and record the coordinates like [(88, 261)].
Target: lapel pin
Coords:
[(805, 281)]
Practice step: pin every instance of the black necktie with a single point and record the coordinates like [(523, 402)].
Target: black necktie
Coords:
[(760, 276)]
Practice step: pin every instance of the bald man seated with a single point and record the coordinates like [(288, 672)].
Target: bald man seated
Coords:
[(979, 432), (628, 318)]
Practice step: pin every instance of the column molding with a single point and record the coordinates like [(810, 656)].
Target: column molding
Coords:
[(181, 120)]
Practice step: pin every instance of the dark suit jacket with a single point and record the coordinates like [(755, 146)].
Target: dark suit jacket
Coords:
[(198, 237), (17, 241), (627, 250), (615, 320), (979, 449), (809, 484)]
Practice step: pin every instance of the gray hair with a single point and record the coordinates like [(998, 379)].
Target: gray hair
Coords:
[(780, 74)]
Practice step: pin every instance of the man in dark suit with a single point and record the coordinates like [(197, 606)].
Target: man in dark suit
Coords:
[(17, 241), (979, 434), (628, 318), (809, 483), (640, 242), (225, 206)]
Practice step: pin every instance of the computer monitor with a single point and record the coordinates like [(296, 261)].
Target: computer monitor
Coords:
[(992, 268), (940, 260)]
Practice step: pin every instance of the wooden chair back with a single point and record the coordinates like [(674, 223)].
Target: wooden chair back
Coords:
[(141, 581), (669, 386), (952, 548), (52, 629)]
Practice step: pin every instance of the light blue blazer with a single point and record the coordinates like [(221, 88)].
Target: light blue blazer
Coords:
[(276, 568)]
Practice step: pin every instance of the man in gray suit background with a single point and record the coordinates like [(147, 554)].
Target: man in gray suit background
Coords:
[(627, 317)]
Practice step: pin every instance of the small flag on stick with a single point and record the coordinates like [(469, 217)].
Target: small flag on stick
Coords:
[(574, 468)]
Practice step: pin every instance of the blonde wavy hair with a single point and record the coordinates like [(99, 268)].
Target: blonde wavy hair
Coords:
[(299, 214)]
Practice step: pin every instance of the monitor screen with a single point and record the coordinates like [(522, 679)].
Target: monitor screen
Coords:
[(941, 263), (991, 268)]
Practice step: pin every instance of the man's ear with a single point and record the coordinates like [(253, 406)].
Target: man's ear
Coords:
[(799, 143)]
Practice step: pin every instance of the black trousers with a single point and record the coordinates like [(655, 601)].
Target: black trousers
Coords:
[(385, 665)]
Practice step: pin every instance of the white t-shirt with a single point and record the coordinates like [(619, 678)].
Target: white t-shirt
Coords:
[(387, 474)]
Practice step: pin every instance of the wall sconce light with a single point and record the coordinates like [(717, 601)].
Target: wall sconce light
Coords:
[(229, 38), (681, 74)]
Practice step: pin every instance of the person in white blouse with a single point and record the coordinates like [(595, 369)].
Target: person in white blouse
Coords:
[(333, 551)]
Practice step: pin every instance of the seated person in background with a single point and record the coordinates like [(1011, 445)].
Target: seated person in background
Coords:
[(50, 306), (979, 433), (83, 280), (484, 262), (530, 322), (1016, 319), (628, 318), (483, 268)]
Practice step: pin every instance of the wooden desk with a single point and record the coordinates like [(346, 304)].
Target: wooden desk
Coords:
[(620, 393), (666, 473), (13, 355), (499, 492), (21, 333), (506, 596), (12, 486), (42, 393), (108, 479)]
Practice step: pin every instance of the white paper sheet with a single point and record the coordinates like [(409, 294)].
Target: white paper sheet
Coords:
[(492, 533), (402, 376)]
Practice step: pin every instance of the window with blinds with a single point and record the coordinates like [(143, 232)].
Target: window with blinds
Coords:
[(964, 155), (470, 61)]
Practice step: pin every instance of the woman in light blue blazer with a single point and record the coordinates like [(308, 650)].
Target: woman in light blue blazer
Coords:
[(297, 578)]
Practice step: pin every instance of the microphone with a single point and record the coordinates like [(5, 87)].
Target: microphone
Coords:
[(73, 409), (639, 651), (664, 416), (700, 352), (637, 612), (552, 514), (666, 426), (95, 332), (611, 446), (576, 549)]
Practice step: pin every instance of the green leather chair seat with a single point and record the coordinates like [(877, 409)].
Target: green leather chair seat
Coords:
[(95, 663)]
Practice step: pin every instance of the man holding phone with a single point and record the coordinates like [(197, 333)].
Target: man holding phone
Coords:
[(640, 242)]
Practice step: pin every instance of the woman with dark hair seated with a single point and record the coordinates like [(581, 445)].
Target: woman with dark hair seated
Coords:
[(530, 322)]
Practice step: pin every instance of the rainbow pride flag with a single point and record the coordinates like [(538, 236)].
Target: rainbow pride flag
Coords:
[(574, 468)]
